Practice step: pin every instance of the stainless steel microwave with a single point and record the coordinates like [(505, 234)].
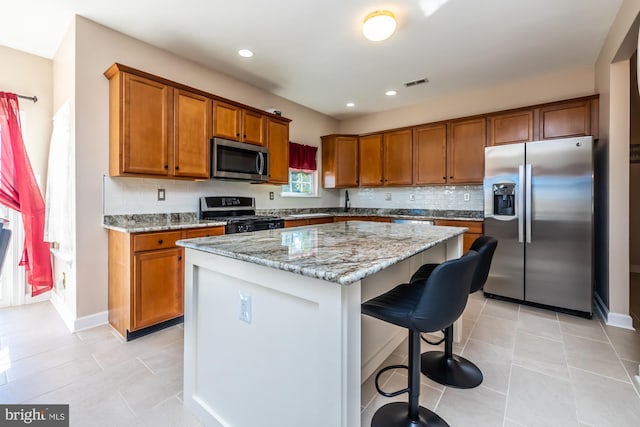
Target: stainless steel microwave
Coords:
[(239, 161)]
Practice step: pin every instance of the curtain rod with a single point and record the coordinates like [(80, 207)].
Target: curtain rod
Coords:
[(31, 98)]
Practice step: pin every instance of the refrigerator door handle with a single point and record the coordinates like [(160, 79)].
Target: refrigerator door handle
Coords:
[(520, 204), (527, 194)]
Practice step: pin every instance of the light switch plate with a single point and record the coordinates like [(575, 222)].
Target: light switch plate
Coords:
[(387, 196), (245, 307), (161, 194), (270, 195)]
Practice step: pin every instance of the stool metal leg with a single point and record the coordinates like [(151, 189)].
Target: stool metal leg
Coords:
[(401, 414), (450, 369)]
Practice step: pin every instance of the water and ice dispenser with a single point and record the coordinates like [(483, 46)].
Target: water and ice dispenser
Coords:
[(504, 199)]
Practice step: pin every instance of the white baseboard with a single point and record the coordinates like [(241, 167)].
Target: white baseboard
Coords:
[(619, 320), (77, 324), (634, 268), (91, 321)]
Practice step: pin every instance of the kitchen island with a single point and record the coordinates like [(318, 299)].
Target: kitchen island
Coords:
[(273, 330)]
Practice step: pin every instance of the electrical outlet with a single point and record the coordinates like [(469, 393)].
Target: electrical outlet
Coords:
[(245, 307), (270, 195), (161, 194), (412, 197), (387, 196), (466, 197)]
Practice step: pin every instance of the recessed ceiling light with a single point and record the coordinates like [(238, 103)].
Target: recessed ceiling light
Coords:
[(350, 104), (245, 53), (391, 92)]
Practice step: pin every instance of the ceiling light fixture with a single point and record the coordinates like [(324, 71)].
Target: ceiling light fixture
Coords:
[(245, 53), (379, 25), (391, 92), (350, 104)]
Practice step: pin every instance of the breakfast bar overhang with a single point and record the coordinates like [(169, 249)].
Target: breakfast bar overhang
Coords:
[(273, 330)]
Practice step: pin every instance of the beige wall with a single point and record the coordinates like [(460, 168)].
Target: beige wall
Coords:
[(634, 170), (612, 82), (98, 47), (64, 91), (30, 75), (551, 87)]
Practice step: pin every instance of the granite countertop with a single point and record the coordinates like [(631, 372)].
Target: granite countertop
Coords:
[(423, 214), (156, 222), (342, 252), (139, 223)]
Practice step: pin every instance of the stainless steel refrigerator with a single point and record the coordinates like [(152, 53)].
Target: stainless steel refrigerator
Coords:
[(539, 205)]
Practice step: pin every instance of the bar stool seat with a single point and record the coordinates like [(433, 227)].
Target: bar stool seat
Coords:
[(423, 306), (445, 367)]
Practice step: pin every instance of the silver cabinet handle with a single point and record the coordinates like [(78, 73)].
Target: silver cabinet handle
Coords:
[(528, 197), (520, 210)]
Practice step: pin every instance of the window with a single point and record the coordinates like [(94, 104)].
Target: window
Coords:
[(301, 184)]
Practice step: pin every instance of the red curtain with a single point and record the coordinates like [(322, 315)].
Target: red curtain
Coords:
[(19, 191), (302, 156)]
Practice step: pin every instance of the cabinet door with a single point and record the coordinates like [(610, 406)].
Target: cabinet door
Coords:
[(398, 165), (466, 151), (192, 133), (430, 154), (511, 128), (145, 113), (339, 161), (565, 120), (278, 144), (226, 121), (370, 160), (346, 161), (157, 290), (253, 127)]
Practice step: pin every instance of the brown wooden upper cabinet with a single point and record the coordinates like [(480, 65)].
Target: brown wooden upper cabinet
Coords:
[(568, 119), (156, 129), (192, 132), (340, 161), (386, 159), (238, 124), (278, 145), (465, 151), (511, 128), (430, 154), (370, 160), (397, 149)]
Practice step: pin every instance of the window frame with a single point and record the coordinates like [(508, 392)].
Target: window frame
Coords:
[(314, 185)]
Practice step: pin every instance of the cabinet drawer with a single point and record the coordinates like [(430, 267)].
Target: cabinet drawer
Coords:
[(151, 241), (204, 232), (473, 226)]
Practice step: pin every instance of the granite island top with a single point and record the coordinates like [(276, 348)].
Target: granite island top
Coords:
[(343, 252)]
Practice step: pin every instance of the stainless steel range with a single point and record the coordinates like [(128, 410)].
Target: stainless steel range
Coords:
[(238, 212)]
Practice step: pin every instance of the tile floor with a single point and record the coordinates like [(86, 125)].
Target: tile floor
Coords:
[(540, 368)]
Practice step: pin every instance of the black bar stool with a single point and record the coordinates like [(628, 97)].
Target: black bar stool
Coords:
[(423, 306), (444, 367)]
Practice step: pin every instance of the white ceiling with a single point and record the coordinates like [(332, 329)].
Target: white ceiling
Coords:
[(313, 52)]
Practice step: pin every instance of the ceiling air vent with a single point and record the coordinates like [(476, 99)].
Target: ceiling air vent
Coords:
[(416, 82)]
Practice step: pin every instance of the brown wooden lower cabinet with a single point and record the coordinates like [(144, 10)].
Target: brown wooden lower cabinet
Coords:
[(307, 221), (475, 230), (362, 218), (146, 278)]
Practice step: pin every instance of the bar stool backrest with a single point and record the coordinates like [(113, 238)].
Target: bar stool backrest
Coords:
[(445, 293), (485, 246)]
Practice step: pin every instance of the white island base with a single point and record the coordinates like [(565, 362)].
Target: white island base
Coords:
[(306, 351)]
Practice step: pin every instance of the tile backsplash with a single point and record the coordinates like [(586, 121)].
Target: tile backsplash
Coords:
[(122, 196), (448, 197)]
